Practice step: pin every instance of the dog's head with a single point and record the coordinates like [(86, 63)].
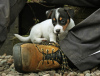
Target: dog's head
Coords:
[(60, 18)]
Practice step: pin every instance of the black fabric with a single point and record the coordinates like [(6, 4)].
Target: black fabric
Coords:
[(15, 8), (83, 41), (4, 18), (86, 3), (9, 10)]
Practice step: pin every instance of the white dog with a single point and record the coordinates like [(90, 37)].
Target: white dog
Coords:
[(60, 23)]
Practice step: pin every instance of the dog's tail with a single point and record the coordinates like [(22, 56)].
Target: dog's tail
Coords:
[(23, 39)]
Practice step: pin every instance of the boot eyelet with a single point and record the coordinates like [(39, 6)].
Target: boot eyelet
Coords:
[(47, 50), (53, 49)]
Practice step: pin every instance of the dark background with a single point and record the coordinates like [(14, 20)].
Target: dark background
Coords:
[(31, 11)]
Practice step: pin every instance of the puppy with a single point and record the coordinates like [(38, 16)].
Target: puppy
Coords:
[(60, 23)]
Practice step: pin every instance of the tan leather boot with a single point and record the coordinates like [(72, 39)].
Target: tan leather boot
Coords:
[(30, 57)]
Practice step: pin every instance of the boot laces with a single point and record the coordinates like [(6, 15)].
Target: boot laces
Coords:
[(64, 65), (44, 54)]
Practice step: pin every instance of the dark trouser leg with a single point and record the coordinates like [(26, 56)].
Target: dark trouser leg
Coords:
[(82, 44)]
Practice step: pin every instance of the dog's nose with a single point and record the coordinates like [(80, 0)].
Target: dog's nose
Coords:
[(58, 30)]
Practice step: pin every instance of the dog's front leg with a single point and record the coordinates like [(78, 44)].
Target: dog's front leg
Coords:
[(52, 37)]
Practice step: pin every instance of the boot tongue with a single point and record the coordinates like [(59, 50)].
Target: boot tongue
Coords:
[(54, 56)]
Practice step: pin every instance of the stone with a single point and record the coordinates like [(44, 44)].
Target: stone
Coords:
[(46, 75), (3, 74), (10, 61), (7, 57), (93, 74), (26, 75), (9, 75), (56, 74), (3, 62), (13, 70), (87, 71), (72, 74), (36, 74), (41, 73), (87, 74), (1, 69), (3, 56), (50, 72), (32, 74), (6, 67), (97, 72), (12, 66), (0, 59), (65, 74), (79, 74)]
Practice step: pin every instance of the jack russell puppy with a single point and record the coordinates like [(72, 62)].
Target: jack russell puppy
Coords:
[(60, 23)]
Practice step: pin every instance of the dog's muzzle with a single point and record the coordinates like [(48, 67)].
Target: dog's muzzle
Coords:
[(58, 31)]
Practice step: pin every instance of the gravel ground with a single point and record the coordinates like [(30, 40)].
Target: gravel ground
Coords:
[(7, 69)]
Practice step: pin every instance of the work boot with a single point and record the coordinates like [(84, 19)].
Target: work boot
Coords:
[(30, 57)]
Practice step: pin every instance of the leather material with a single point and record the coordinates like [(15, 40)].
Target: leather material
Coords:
[(43, 65), (34, 60)]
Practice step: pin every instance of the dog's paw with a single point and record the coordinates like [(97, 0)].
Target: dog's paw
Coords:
[(44, 39), (45, 42), (52, 41)]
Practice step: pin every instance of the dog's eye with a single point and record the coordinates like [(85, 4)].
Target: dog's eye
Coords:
[(62, 21), (54, 23)]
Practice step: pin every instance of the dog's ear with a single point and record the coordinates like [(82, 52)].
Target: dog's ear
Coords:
[(70, 12), (49, 13)]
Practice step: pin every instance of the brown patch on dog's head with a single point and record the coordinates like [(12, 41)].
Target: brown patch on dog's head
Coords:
[(65, 26), (60, 18), (54, 19)]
